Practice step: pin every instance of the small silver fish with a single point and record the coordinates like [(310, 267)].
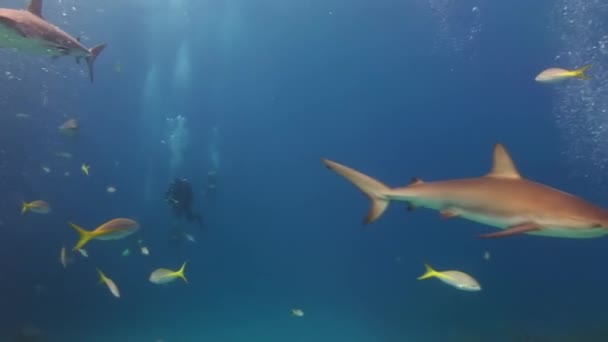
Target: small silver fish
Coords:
[(63, 257), (109, 283), (486, 256)]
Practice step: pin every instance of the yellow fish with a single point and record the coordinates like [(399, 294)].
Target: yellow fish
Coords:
[(457, 279), (115, 229), (164, 276), (109, 283), (554, 75), (38, 207), (85, 168)]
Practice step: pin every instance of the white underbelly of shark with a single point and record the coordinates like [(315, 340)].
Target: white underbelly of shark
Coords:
[(9, 38), (550, 229), (547, 230)]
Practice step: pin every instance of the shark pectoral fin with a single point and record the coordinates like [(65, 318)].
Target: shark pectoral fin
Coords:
[(446, 214), (515, 230)]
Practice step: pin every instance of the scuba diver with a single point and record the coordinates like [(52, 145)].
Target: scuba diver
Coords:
[(180, 198)]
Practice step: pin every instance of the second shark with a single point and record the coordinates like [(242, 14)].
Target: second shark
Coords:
[(27, 31)]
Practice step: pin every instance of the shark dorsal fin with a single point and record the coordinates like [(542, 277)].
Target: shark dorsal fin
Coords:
[(503, 166), (35, 7)]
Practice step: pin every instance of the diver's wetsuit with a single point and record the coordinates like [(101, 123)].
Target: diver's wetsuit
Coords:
[(180, 198)]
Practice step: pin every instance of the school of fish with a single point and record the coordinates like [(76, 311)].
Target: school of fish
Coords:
[(502, 199)]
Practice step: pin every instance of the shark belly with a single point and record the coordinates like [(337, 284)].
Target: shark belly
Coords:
[(498, 221), (11, 38), (550, 227)]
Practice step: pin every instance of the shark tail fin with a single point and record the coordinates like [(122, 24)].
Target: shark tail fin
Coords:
[(375, 190), (94, 52)]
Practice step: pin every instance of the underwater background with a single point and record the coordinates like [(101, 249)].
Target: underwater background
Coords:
[(255, 92)]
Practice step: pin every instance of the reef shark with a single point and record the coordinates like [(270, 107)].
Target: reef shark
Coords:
[(27, 31), (501, 199)]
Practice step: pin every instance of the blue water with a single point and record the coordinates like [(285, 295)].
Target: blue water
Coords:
[(395, 89)]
